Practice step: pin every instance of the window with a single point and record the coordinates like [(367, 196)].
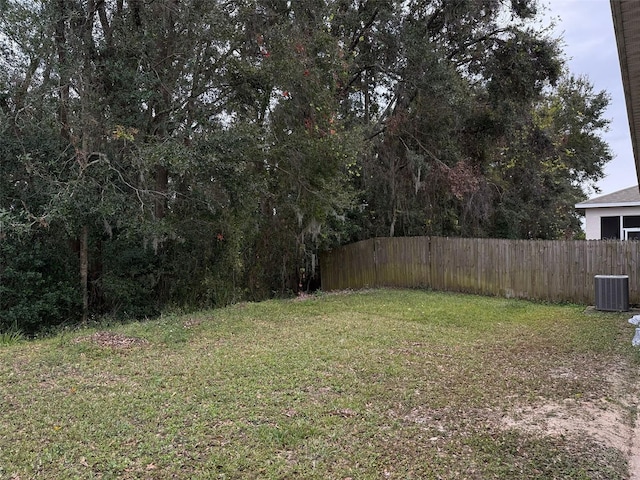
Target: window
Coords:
[(610, 228), (631, 221), (632, 233), (620, 228)]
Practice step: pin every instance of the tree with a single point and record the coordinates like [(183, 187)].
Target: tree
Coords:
[(448, 89), (546, 165), (197, 152), (300, 69), (116, 94)]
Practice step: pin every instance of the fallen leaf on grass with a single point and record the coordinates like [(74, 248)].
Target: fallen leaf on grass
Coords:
[(344, 412)]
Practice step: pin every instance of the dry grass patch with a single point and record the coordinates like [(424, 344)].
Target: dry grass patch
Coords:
[(111, 340)]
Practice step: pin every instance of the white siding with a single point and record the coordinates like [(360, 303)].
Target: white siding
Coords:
[(592, 218)]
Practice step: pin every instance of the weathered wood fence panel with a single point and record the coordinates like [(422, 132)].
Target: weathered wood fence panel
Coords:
[(556, 271), (402, 262), (351, 266)]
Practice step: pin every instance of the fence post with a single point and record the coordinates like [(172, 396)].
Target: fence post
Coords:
[(376, 274)]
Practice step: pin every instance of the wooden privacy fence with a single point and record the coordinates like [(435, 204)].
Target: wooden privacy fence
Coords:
[(556, 271)]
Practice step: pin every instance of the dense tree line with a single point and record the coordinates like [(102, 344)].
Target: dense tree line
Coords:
[(198, 152)]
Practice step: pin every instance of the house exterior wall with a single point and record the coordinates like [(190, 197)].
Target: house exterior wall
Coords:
[(593, 215)]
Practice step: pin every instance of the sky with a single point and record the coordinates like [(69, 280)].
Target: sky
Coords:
[(586, 27)]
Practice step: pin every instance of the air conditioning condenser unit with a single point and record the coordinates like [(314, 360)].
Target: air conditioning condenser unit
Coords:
[(612, 293)]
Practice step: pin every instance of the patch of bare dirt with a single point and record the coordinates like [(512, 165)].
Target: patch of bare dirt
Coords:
[(606, 415), (610, 421), (112, 340), (605, 422)]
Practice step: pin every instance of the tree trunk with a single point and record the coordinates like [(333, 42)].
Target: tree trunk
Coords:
[(64, 89), (84, 271), (162, 185)]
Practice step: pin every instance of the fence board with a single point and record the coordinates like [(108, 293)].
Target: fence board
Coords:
[(557, 271)]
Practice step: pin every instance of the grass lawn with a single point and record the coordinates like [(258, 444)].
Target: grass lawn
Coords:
[(365, 385)]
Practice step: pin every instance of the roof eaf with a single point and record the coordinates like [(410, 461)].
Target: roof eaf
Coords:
[(627, 197), (626, 22)]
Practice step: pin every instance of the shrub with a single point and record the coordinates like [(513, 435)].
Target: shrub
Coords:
[(37, 283)]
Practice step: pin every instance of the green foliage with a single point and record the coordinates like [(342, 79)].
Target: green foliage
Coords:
[(211, 150), (551, 159), (37, 283), (129, 280), (11, 337)]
